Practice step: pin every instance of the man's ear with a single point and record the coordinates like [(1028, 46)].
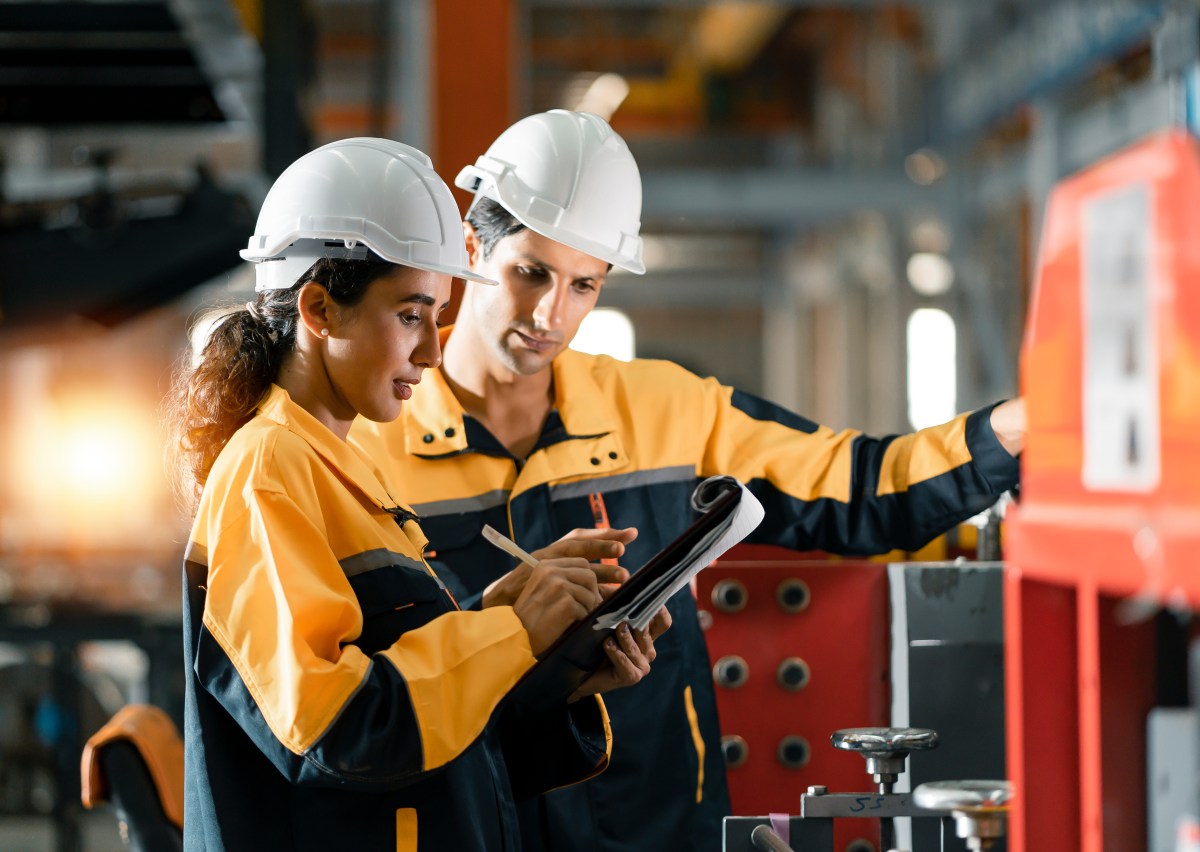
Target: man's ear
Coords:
[(474, 246), (316, 309)]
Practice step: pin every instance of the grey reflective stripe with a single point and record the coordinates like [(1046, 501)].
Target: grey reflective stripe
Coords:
[(197, 553), (462, 505), (361, 563), (623, 481)]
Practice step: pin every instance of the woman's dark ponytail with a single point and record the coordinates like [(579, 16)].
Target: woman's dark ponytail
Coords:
[(220, 393)]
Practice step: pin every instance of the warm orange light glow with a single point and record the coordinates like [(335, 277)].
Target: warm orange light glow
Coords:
[(90, 471), (97, 458)]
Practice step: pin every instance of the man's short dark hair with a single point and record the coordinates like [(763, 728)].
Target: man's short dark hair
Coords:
[(492, 223)]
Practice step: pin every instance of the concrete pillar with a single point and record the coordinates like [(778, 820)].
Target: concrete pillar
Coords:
[(472, 80), (472, 84)]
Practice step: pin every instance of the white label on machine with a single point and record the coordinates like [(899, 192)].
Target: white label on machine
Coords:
[(1121, 435)]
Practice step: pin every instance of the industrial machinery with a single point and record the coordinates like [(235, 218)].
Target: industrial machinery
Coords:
[(1103, 540), (776, 624), (977, 808), (822, 641)]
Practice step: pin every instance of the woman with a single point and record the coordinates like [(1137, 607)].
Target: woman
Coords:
[(337, 697)]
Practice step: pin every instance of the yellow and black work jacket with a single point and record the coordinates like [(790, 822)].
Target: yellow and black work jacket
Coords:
[(625, 445), (337, 697)]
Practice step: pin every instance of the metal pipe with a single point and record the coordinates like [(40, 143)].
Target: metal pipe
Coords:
[(765, 839), (887, 833)]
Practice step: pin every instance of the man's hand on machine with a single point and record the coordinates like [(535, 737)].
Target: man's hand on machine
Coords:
[(1010, 422), (590, 545), (630, 653)]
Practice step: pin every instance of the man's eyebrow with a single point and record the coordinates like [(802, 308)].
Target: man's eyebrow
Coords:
[(536, 261)]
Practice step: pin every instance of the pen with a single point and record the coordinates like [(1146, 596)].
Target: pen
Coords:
[(507, 545)]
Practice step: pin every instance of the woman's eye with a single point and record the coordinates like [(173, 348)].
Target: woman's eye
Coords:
[(410, 318)]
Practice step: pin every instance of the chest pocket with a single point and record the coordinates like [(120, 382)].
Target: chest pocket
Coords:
[(461, 555), (395, 599)]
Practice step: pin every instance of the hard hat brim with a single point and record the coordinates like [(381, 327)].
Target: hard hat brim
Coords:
[(483, 184), (292, 265)]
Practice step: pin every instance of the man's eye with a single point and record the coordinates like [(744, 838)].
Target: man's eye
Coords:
[(532, 271)]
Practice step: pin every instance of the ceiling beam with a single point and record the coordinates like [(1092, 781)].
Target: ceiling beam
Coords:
[(772, 197), (693, 289), (698, 4), (230, 57), (1089, 135), (1047, 51)]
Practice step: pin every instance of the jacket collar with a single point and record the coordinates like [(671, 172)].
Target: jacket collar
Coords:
[(279, 408), (433, 419), (585, 410)]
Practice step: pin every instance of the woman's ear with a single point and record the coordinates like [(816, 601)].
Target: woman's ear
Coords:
[(316, 309)]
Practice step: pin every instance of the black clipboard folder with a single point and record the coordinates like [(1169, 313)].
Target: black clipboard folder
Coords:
[(728, 513)]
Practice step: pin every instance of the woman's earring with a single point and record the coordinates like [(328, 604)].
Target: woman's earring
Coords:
[(324, 332)]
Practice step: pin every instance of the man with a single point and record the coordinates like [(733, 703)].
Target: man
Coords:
[(518, 432)]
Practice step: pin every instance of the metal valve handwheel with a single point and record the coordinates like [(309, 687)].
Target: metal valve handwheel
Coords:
[(978, 807), (884, 749)]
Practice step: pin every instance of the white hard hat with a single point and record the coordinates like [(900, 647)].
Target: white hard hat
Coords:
[(568, 176), (351, 195)]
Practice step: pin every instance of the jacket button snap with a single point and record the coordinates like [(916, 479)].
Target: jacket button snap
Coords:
[(450, 433), (428, 438), (595, 461), (612, 455)]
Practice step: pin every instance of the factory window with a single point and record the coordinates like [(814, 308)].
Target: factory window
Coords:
[(606, 331), (931, 372)]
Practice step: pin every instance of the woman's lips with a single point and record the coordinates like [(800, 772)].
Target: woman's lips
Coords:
[(403, 389)]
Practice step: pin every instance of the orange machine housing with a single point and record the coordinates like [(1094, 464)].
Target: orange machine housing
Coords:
[(841, 633), (1108, 524)]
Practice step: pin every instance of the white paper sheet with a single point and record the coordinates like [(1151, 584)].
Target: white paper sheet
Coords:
[(747, 515)]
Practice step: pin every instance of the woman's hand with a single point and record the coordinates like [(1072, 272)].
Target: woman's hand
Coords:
[(556, 594), (630, 653), (591, 545)]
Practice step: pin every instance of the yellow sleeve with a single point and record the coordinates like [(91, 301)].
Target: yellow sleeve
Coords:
[(276, 650)]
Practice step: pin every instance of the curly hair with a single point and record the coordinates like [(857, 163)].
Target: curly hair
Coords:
[(219, 394)]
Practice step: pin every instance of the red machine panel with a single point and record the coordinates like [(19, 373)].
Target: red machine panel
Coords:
[(1111, 374), (1109, 518), (799, 649)]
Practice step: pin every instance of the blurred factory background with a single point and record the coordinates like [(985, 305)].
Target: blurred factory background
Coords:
[(843, 201)]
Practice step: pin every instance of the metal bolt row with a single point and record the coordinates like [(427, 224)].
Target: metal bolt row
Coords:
[(730, 595), (792, 751), (732, 671)]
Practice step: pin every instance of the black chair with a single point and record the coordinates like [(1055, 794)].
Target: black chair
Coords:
[(135, 763)]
